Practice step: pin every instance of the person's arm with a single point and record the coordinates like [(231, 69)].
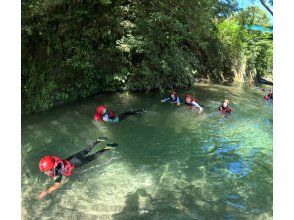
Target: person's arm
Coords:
[(196, 105), (49, 190), (165, 100)]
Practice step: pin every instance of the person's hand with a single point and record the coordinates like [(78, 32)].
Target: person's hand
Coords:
[(200, 109), (42, 194), (162, 100), (178, 104)]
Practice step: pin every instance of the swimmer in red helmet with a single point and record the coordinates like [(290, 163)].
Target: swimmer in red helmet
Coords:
[(224, 107), (56, 168), (106, 115), (192, 102)]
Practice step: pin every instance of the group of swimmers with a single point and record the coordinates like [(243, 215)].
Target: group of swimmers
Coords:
[(106, 115), (56, 168)]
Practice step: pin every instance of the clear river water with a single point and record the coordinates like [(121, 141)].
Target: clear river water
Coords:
[(171, 163)]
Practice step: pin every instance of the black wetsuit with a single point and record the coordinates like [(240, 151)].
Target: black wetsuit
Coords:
[(106, 117), (79, 159), (124, 115)]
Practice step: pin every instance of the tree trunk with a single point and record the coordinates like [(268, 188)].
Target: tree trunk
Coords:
[(266, 6), (264, 81)]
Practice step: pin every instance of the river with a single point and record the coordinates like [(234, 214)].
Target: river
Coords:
[(171, 163)]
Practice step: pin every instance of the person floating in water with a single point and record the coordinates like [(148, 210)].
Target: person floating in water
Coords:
[(192, 102), (173, 98), (106, 115), (56, 168), (269, 96), (224, 107)]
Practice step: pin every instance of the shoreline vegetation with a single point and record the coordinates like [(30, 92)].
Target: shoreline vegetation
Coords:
[(72, 50)]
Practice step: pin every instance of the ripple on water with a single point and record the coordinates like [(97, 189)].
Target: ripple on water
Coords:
[(172, 163)]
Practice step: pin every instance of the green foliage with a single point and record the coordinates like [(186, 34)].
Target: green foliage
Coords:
[(240, 43), (72, 49)]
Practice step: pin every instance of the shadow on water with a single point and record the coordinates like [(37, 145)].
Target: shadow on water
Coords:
[(188, 203)]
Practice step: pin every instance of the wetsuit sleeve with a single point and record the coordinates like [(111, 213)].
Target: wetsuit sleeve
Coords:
[(195, 104), (166, 100)]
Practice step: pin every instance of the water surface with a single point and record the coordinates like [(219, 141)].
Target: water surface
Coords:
[(172, 163)]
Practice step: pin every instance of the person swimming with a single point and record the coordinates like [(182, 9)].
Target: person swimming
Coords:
[(173, 98), (56, 168), (192, 102), (269, 96), (104, 114), (224, 107)]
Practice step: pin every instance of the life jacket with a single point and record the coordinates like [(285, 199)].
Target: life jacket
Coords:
[(110, 114), (66, 167), (224, 110)]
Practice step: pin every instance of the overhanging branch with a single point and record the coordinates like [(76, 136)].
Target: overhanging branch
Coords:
[(266, 6)]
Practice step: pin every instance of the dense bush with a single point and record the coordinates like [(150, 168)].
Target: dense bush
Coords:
[(75, 49)]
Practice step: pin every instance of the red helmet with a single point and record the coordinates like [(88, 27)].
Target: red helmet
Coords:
[(100, 109), (46, 163)]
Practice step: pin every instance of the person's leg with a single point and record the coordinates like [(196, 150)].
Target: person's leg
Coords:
[(78, 157), (98, 153), (84, 152), (124, 115)]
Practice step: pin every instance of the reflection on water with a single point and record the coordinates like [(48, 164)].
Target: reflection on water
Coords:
[(172, 163)]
